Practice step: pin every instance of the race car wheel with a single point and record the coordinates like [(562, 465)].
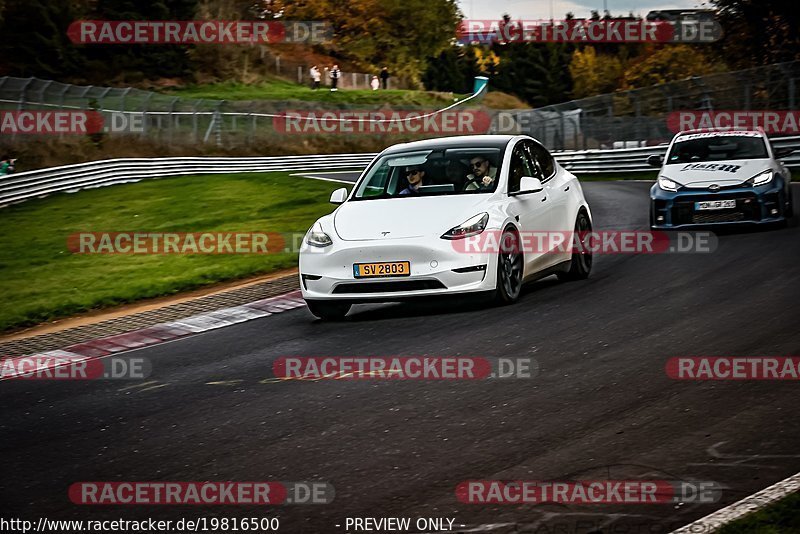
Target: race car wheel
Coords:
[(509, 268), (581, 262)]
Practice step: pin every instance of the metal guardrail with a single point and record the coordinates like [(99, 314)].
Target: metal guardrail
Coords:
[(71, 178)]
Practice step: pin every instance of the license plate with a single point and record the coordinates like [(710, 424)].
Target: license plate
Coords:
[(714, 205), (383, 268)]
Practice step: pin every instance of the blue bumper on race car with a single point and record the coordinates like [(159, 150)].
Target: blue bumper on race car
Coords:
[(748, 205)]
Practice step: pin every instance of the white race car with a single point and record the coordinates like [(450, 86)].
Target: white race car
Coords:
[(446, 216)]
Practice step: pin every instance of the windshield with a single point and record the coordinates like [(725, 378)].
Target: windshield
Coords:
[(717, 147), (451, 171)]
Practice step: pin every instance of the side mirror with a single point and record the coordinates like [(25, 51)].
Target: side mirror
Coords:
[(339, 196), (655, 160), (781, 153), (529, 184)]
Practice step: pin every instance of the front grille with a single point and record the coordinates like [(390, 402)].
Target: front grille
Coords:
[(710, 217), (747, 209), (388, 287)]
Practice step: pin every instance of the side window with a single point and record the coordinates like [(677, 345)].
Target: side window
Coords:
[(521, 165), (543, 158)]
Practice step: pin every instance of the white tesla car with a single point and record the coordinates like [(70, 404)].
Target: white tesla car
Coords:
[(411, 225)]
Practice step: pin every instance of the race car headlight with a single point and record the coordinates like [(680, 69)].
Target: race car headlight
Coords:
[(317, 238), (761, 178), (667, 185), (473, 226)]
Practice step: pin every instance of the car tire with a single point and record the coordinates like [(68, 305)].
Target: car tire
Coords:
[(509, 268), (581, 262), (328, 310)]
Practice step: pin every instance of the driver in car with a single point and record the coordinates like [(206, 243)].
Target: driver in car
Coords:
[(483, 175), (415, 176)]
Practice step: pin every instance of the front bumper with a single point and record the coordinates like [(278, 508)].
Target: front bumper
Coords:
[(437, 268), (759, 205)]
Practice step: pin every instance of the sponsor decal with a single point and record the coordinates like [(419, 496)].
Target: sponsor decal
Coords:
[(721, 167)]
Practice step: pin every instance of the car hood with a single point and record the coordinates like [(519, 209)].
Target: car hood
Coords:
[(722, 173), (397, 218)]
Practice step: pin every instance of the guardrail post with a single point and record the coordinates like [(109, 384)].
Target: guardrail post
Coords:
[(173, 119), (122, 98), (144, 113), (43, 89), (195, 137)]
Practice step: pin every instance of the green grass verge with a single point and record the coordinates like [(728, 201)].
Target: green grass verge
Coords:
[(778, 518), (41, 280), (283, 90)]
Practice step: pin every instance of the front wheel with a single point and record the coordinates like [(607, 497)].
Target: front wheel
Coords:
[(581, 263), (328, 310), (509, 269)]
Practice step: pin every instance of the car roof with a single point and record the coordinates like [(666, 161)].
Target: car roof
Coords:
[(460, 141)]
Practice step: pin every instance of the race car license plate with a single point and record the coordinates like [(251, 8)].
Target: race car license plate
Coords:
[(714, 205), (384, 268)]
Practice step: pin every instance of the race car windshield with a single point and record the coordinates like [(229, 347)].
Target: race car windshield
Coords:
[(451, 171), (704, 147)]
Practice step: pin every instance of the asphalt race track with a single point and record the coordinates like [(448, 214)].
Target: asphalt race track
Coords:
[(601, 407)]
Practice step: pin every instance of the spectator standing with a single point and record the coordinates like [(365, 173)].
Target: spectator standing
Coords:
[(385, 77), (374, 83), (315, 77), (334, 74), (7, 165)]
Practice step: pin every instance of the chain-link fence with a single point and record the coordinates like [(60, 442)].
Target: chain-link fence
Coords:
[(168, 119), (638, 117), (618, 120)]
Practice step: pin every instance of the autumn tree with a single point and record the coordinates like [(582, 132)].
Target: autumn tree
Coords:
[(669, 63), (594, 73)]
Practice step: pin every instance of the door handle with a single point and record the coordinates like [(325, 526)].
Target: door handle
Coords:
[(544, 198), (566, 188)]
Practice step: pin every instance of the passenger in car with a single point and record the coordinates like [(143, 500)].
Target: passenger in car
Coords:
[(415, 176)]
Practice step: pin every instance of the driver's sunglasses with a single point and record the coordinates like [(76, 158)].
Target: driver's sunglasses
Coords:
[(478, 163), (410, 173)]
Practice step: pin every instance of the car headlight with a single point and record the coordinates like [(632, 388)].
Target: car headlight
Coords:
[(472, 226), (761, 178), (667, 185), (318, 238)]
